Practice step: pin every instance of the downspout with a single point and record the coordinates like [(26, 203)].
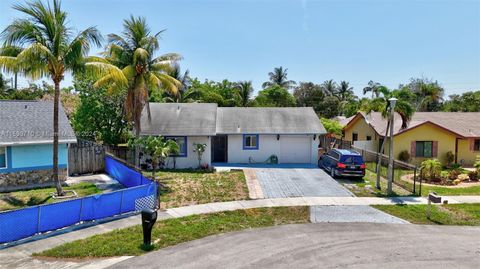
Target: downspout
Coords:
[(456, 150)]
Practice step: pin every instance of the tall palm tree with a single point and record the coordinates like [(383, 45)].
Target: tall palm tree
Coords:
[(184, 80), (49, 49), (245, 90), (279, 77), (373, 87), (12, 51), (129, 62), (381, 104), (344, 92), (432, 96), (330, 87)]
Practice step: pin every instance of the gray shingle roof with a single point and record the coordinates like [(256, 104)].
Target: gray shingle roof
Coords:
[(268, 120), (24, 122), (466, 124), (179, 119)]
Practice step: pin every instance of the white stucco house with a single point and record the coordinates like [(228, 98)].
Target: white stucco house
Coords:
[(236, 135)]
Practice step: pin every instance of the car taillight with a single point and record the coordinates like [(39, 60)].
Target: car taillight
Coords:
[(341, 165), (363, 166)]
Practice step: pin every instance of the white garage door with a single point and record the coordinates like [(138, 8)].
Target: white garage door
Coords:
[(294, 149)]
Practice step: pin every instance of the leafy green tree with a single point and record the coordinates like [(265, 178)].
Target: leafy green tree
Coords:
[(224, 93), (49, 49), (309, 94), (466, 102), (100, 116), (279, 77), (332, 126), (329, 107), (159, 149), (274, 96), (130, 63), (429, 94)]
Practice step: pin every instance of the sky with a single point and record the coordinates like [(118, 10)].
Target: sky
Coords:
[(386, 41)]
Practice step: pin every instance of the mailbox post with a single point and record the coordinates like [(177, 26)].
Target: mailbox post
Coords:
[(432, 198), (149, 217)]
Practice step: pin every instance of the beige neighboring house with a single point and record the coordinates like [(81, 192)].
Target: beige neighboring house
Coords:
[(428, 135)]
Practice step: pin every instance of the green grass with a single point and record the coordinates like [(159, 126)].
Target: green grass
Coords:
[(189, 187), (455, 214), (366, 187), (126, 242), (19, 199)]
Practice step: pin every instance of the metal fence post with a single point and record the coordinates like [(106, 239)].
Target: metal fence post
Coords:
[(414, 179), (121, 203), (81, 209), (38, 222)]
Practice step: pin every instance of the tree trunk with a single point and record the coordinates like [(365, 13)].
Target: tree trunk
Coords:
[(15, 84), (379, 162), (56, 100)]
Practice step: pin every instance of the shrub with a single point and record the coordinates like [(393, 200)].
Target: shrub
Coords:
[(477, 165), (456, 181), (450, 158), (454, 173), (473, 175), (444, 174), (404, 156), (431, 169)]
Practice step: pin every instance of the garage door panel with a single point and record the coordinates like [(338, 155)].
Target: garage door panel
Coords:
[(294, 150)]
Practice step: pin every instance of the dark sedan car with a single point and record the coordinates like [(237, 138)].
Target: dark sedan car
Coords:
[(343, 163)]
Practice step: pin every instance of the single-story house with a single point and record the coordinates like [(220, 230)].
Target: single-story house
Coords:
[(26, 143), (236, 134), (428, 135)]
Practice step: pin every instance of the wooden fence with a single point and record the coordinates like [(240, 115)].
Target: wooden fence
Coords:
[(87, 157)]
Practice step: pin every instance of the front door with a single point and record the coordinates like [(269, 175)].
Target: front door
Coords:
[(219, 149)]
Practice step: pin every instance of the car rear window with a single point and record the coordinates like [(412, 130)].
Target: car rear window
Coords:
[(352, 160)]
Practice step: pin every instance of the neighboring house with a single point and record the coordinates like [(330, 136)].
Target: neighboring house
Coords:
[(236, 134), (26, 143), (428, 135)]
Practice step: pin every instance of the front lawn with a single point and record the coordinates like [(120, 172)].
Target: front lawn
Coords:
[(190, 187), (19, 199), (128, 242), (454, 214)]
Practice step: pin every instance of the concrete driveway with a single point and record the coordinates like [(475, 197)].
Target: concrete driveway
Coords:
[(298, 182), (345, 245)]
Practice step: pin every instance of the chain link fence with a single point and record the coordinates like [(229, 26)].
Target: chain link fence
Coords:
[(405, 175)]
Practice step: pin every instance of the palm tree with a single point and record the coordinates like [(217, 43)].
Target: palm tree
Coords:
[(12, 51), (381, 104), (184, 80), (279, 77), (330, 87), (48, 50), (344, 92), (373, 87), (245, 90), (432, 96), (129, 62)]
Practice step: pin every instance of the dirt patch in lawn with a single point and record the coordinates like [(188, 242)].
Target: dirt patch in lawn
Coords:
[(189, 187)]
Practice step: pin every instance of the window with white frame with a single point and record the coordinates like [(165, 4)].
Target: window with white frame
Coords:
[(3, 157)]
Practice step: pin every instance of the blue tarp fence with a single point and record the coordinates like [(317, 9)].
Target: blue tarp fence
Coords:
[(140, 193)]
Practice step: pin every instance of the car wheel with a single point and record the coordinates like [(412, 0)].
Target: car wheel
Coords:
[(332, 172)]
